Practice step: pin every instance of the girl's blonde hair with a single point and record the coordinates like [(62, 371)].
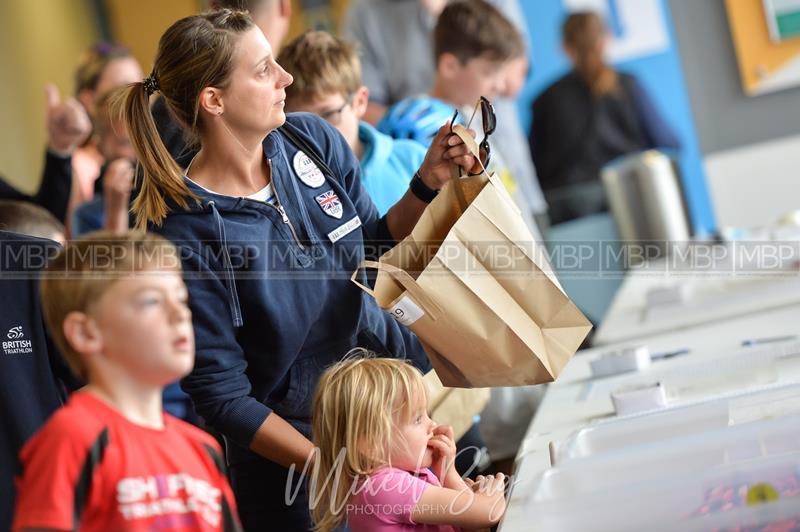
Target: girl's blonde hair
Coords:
[(355, 411)]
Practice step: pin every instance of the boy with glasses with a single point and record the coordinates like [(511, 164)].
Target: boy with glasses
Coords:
[(327, 82)]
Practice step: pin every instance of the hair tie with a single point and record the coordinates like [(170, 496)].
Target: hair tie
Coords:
[(150, 84)]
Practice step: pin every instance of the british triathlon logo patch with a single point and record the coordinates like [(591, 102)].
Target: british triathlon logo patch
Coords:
[(16, 343), (330, 203)]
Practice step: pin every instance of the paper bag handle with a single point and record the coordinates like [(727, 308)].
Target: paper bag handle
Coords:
[(422, 299), (462, 133), (456, 171)]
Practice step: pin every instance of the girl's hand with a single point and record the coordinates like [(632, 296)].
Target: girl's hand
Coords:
[(447, 149), (443, 446), (117, 185), (118, 182), (487, 485)]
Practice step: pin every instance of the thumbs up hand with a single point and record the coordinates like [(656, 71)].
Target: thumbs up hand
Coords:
[(68, 124)]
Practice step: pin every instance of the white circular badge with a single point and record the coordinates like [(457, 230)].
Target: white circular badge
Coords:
[(308, 172)]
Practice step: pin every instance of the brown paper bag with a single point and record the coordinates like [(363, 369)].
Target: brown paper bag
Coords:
[(456, 407), (478, 291)]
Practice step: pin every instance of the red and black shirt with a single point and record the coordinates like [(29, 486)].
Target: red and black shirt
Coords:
[(91, 469)]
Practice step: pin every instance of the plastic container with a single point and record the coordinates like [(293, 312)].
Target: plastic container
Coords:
[(621, 361), (710, 498), (746, 368), (671, 458), (690, 379), (683, 420)]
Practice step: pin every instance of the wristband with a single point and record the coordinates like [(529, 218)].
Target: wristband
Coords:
[(421, 190)]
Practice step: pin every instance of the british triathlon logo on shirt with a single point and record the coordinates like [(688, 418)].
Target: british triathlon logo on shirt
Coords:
[(330, 203), (16, 344)]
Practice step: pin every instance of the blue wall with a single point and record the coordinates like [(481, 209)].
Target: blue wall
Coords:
[(661, 74)]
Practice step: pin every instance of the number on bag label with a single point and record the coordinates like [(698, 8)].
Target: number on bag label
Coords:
[(406, 311)]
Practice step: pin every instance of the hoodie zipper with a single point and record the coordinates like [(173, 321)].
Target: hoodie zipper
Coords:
[(279, 207)]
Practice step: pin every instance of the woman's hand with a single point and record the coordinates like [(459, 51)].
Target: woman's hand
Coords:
[(447, 149)]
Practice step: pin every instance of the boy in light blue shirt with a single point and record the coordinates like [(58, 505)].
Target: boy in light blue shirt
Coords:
[(474, 46), (327, 82)]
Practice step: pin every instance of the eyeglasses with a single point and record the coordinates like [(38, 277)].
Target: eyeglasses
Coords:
[(489, 123), (334, 116)]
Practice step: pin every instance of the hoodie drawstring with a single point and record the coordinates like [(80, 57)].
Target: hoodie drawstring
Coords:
[(236, 311)]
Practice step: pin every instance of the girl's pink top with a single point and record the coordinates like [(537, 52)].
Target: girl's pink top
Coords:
[(385, 501)]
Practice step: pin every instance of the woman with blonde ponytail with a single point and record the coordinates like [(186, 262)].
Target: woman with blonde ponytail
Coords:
[(270, 220), (587, 118)]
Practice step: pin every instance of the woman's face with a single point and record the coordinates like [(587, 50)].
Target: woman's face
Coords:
[(254, 99)]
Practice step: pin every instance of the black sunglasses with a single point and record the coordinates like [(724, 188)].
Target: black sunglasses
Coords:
[(489, 123)]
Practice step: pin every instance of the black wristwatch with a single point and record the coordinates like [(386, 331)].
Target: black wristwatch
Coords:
[(421, 190)]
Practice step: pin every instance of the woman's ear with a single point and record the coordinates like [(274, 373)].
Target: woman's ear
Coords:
[(82, 333), (211, 101)]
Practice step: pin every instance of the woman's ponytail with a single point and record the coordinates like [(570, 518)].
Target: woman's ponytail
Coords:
[(583, 34), (162, 179)]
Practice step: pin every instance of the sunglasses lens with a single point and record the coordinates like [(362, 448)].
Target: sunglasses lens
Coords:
[(487, 117)]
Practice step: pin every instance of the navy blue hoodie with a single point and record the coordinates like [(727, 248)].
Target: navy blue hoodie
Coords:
[(31, 371), (270, 290)]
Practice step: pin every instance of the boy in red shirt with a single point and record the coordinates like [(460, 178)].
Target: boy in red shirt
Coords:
[(111, 459)]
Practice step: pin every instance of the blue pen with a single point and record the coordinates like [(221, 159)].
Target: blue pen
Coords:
[(760, 341), (669, 354)]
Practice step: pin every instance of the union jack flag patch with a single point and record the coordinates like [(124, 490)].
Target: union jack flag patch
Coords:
[(330, 204)]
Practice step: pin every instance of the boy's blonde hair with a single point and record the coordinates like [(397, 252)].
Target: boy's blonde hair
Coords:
[(356, 409), (29, 219), (86, 268), (321, 65)]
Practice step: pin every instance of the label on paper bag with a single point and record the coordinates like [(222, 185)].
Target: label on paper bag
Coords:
[(406, 311)]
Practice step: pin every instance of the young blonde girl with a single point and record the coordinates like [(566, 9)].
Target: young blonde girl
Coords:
[(382, 464)]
